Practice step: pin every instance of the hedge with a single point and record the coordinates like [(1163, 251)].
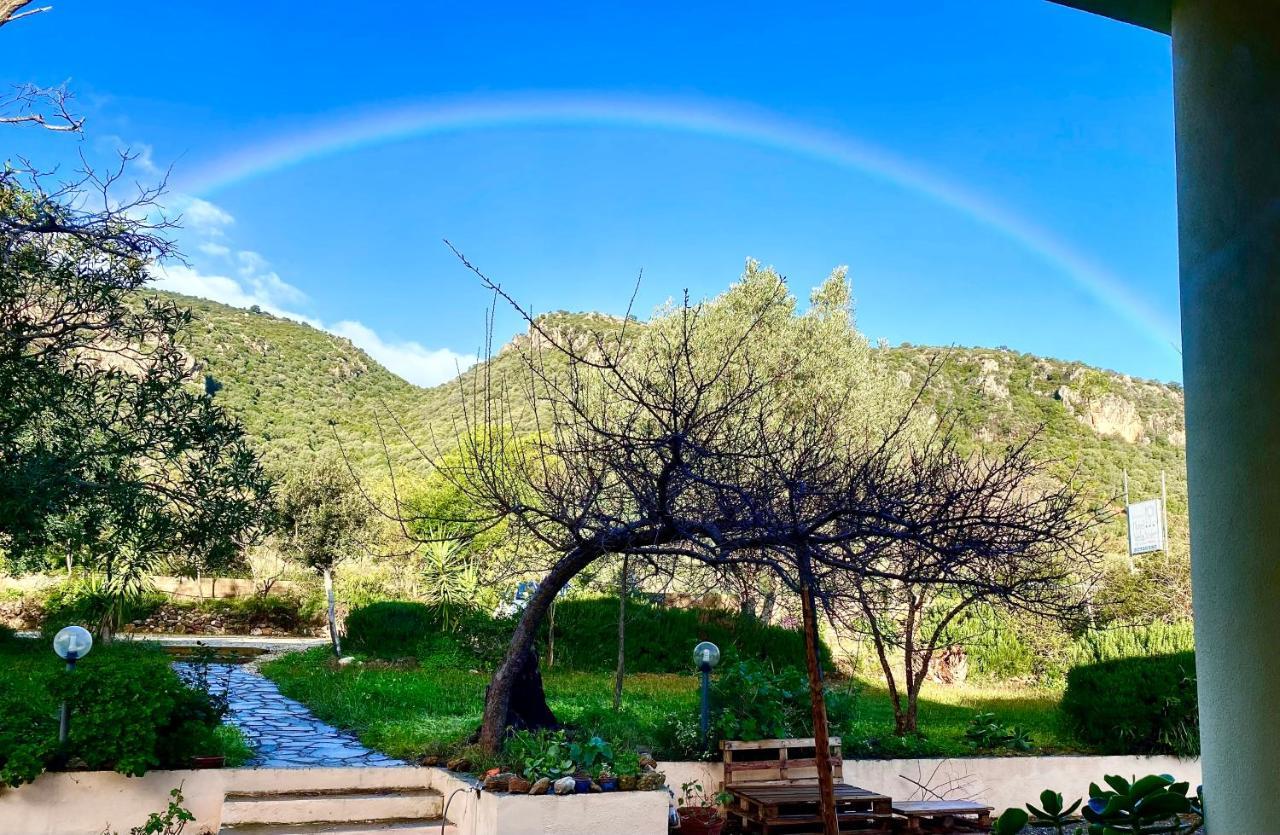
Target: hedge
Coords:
[(661, 639), (1136, 705), (658, 640)]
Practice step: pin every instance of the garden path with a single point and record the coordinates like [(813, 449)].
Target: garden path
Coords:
[(282, 732)]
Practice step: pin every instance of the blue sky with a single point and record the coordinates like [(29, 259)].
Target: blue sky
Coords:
[(993, 172)]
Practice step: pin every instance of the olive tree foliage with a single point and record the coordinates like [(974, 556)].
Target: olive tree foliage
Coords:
[(323, 519), (682, 437), (111, 453), (732, 432)]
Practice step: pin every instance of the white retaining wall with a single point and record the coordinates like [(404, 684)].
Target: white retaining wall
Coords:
[(85, 803), (1000, 782)]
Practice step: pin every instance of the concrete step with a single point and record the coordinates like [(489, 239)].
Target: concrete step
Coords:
[(382, 828), (332, 806), (258, 780)]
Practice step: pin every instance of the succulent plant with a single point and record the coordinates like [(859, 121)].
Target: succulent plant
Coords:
[(1150, 805), (1053, 812)]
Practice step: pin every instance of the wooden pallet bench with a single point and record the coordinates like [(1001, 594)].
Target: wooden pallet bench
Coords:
[(943, 816), (774, 784)]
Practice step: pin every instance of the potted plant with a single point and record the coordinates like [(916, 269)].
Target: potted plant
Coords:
[(588, 757), (606, 779), (699, 812)]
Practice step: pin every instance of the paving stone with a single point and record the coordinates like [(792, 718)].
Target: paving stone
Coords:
[(283, 733)]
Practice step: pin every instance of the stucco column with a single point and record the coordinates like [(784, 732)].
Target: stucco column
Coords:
[(1227, 102)]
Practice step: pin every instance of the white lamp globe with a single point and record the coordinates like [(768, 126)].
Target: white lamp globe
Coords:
[(706, 654), (72, 643)]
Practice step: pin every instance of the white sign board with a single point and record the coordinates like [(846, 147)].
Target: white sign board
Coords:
[(1146, 527)]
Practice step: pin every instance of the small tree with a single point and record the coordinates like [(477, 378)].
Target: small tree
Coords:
[(323, 520), (1005, 533)]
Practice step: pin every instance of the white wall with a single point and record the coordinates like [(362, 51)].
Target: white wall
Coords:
[(1000, 782), (84, 803)]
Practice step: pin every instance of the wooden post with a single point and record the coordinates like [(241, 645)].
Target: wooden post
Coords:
[(818, 702)]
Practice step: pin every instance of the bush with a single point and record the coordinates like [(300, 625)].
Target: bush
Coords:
[(390, 629), (1136, 705), (1009, 647), (130, 712), (755, 701), (661, 639), (86, 602)]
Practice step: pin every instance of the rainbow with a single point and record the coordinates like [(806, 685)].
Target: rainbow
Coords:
[(370, 127)]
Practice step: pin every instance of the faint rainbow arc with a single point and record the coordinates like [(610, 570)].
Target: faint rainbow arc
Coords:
[(365, 128)]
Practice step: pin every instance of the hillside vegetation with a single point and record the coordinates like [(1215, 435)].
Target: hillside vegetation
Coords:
[(298, 389)]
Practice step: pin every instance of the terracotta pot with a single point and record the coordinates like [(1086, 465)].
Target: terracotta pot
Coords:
[(697, 820), (208, 762)]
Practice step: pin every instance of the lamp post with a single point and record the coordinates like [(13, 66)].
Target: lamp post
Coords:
[(70, 644), (706, 655)]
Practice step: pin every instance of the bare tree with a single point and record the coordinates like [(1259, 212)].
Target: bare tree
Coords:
[(1013, 536), (731, 433), (11, 10)]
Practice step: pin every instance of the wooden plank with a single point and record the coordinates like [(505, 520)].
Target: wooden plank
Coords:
[(939, 807), (750, 744)]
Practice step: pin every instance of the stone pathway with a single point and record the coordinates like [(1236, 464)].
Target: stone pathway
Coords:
[(282, 732)]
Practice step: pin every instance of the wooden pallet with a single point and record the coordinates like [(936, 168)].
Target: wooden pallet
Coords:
[(774, 783), (943, 816)]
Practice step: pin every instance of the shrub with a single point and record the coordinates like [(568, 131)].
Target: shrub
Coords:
[(755, 701), (87, 601), (390, 628), (130, 712), (660, 639), (1136, 705)]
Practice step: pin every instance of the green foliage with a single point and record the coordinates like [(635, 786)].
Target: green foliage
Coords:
[(588, 756), (660, 639), (1007, 647), (987, 733), (1010, 822), (390, 629), (230, 742), (1136, 705), (755, 701), (409, 711), (171, 821), (130, 712), (91, 602), (114, 454), (539, 754), (323, 518), (1053, 811)]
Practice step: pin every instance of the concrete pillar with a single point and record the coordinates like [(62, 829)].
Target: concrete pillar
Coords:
[(1227, 102)]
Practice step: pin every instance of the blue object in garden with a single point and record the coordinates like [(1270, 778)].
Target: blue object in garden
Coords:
[(70, 644)]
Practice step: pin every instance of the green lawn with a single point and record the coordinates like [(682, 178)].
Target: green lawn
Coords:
[(408, 712)]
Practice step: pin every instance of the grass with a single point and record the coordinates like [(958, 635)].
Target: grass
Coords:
[(411, 711)]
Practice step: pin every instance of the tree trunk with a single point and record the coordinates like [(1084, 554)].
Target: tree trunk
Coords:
[(622, 635), (333, 613), (551, 635), (768, 602), (818, 702), (498, 698)]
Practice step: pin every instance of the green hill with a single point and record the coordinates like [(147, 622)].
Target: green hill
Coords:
[(298, 389)]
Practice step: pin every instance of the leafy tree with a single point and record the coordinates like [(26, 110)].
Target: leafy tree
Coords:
[(323, 519), (111, 452)]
